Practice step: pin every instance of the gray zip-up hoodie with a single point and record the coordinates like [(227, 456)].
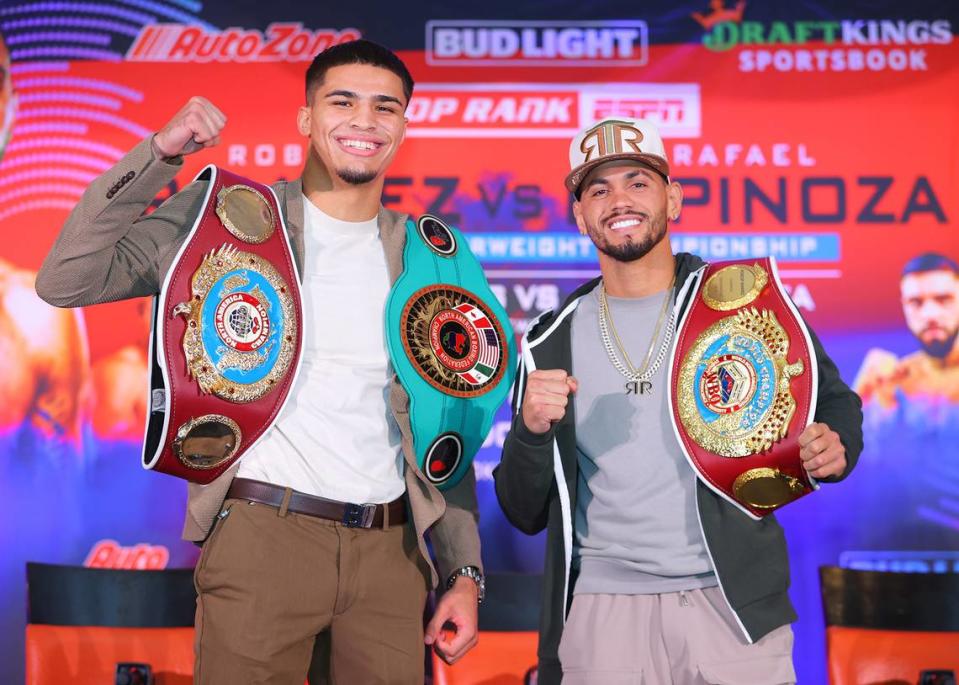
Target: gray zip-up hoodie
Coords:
[(537, 475)]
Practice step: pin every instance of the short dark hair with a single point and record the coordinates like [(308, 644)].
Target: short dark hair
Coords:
[(356, 52), (930, 261)]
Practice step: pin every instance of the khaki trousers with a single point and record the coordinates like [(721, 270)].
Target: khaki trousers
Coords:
[(685, 638), (270, 582)]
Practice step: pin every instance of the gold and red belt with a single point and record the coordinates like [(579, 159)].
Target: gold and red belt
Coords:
[(227, 333), (743, 386)]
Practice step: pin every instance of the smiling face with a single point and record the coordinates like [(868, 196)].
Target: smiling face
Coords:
[(355, 122), (624, 206)]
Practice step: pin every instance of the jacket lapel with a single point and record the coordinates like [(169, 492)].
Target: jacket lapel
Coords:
[(291, 199), (393, 237)]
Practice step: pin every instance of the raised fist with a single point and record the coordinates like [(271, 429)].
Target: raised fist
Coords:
[(196, 126)]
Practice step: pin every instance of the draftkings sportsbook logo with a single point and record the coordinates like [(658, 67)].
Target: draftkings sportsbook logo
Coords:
[(822, 45), (537, 43), (280, 42)]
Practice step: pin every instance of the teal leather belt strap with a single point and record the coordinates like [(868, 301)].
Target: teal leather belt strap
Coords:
[(452, 348)]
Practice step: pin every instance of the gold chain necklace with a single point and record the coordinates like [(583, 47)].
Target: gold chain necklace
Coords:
[(638, 379)]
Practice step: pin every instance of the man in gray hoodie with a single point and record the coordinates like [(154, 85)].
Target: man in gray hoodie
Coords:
[(650, 575)]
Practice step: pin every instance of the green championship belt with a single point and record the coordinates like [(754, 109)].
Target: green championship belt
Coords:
[(452, 348)]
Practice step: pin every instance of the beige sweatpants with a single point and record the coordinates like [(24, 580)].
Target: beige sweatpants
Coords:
[(683, 638)]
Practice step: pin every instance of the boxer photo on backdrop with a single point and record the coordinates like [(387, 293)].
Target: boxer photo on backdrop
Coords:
[(313, 543), (639, 407), (911, 415), (928, 377)]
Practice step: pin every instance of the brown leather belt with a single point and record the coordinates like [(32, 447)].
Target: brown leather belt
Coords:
[(350, 515)]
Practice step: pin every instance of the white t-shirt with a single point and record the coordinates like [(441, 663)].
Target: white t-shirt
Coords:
[(336, 437)]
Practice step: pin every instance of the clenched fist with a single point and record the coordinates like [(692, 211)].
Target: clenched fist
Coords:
[(546, 397), (193, 128)]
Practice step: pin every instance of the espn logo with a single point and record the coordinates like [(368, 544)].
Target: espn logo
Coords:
[(540, 110), (673, 107), (537, 43)]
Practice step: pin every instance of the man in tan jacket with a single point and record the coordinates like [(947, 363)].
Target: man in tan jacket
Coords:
[(275, 579)]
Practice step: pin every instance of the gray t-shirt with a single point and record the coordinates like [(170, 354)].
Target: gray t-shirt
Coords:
[(636, 526)]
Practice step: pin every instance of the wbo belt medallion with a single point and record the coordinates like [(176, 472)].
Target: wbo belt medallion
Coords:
[(452, 348), (743, 386), (241, 328), (227, 333)]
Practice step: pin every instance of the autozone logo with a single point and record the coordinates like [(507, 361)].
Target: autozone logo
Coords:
[(524, 110), (141, 557), (281, 42), (537, 43)]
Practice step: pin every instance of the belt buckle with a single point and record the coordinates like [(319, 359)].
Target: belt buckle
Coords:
[(359, 515)]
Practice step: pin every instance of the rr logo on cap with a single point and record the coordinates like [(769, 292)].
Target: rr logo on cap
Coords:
[(610, 138)]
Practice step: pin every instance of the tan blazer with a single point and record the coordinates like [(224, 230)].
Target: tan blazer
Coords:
[(107, 251)]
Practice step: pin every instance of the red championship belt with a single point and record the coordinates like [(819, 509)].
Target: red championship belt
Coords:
[(743, 386), (227, 333)]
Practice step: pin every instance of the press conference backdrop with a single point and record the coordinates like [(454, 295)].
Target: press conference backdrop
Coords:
[(825, 134)]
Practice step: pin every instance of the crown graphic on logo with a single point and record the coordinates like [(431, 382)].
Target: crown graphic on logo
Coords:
[(719, 13)]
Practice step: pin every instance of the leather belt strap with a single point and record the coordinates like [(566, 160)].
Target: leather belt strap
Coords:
[(350, 515)]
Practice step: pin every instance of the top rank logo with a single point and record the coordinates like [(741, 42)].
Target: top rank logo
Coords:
[(540, 110), (281, 42), (537, 43)]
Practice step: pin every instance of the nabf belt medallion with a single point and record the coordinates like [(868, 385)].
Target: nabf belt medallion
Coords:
[(454, 342), (227, 333), (452, 347), (743, 381)]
